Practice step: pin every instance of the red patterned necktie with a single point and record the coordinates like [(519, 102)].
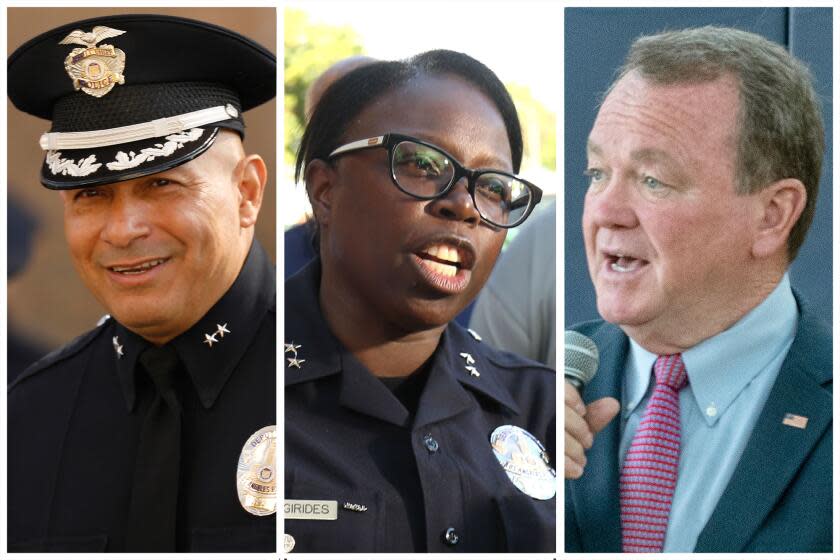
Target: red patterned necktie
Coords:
[(649, 474)]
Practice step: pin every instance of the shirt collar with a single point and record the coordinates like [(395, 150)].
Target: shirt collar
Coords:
[(449, 358), (720, 367), (307, 337), (444, 394), (211, 348)]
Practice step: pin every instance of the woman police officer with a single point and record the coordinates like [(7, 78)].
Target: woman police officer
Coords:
[(403, 431)]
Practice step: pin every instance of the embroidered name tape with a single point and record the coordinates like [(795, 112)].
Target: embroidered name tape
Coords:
[(318, 510)]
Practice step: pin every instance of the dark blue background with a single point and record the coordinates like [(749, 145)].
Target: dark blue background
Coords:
[(597, 41)]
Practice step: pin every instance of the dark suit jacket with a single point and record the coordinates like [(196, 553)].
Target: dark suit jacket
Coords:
[(779, 497)]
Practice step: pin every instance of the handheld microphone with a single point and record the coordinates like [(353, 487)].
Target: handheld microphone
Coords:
[(581, 360)]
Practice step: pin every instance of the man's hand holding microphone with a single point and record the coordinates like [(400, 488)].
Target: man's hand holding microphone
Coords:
[(582, 422)]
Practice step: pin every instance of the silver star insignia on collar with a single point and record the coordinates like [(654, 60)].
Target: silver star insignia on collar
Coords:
[(118, 348), (474, 334), (467, 358), (222, 330), (292, 347), (209, 339), (295, 362), (474, 372)]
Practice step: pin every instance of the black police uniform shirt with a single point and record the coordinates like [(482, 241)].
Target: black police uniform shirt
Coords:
[(427, 481), (75, 419)]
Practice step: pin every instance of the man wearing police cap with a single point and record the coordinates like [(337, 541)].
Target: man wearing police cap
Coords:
[(154, 431)]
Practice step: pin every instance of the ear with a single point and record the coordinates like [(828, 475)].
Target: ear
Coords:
[(320, 178), (251, 186), (780, 206)]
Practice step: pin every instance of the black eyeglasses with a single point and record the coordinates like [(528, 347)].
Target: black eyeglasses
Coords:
[(426, 172)]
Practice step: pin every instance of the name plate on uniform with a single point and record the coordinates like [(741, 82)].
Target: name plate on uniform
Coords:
[(319, 510)]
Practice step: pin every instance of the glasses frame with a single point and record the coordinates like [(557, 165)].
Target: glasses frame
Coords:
[(392, 139)]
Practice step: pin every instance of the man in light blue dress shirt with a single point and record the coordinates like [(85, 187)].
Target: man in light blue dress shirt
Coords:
[(704, 162)]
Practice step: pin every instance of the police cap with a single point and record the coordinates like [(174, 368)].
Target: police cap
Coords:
[(132, 95)]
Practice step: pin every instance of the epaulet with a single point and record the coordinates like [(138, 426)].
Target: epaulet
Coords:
[(507, 360), (65, 352)]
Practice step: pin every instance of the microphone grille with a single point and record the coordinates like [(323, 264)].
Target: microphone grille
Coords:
[(581, 359)]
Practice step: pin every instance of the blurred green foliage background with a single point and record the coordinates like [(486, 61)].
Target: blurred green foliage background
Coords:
[(312, 47)]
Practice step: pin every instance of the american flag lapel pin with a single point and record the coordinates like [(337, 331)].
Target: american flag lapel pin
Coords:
[(795, 421)]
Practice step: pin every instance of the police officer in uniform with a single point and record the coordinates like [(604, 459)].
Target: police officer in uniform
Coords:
[(155, 430), (403, 431)]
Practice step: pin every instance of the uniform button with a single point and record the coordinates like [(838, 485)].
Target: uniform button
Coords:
[(431, 443), (451, 537)]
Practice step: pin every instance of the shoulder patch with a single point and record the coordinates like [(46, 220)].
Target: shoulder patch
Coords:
[(67, 351)]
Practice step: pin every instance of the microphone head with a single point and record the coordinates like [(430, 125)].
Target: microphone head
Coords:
[(581, 360)]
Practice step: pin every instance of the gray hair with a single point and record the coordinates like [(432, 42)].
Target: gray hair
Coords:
[(781, 131)]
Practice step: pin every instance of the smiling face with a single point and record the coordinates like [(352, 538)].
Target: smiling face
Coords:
[(408, 263), (158, 251), (667, 238)]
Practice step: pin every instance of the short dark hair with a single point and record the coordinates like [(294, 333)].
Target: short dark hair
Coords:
[(781, 131), (350, 95)]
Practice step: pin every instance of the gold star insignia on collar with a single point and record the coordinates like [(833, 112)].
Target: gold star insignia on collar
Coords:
[(118, 348), (295, 362), (292, 347), (209, 339), (222, 330)]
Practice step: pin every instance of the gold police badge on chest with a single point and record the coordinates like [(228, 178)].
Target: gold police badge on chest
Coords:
[(255, 475), (94, 69)]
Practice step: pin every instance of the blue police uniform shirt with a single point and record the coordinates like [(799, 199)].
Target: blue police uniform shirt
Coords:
[(403, 481), (75, 419), (730, 377)]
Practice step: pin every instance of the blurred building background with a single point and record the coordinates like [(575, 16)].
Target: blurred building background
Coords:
[(47, 301)]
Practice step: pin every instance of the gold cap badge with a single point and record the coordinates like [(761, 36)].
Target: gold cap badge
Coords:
[(255, 474), (94, 69)]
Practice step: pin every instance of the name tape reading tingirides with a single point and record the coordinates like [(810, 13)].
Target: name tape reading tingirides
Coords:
[(320, 510)]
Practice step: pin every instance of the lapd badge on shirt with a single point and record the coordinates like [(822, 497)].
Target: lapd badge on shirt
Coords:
[(94, 69), (525, 461), (255, 474)]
